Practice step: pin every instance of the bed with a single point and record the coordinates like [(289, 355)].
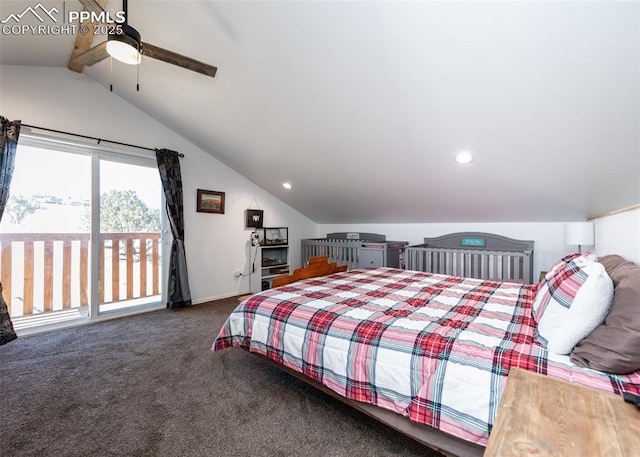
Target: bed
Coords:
[(425, 353)]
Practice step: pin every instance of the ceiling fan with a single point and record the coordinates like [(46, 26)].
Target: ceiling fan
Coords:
[(127, 47)]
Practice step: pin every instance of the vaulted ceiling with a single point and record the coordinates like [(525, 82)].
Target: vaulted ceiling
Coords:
[(362, 106)]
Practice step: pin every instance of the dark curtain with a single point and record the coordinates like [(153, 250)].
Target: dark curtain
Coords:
[(9, 133), (169, 168)]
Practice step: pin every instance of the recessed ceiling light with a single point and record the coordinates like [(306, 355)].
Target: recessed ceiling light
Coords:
[(464, 157), (287, 185)]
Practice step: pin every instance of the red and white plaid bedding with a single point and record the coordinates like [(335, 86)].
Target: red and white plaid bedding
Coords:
[(434, 348)]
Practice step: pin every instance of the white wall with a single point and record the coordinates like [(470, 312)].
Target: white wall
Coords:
[(549, 244), (619, 234), (216, 245)]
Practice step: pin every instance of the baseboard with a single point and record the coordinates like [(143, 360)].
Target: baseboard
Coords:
[(219, 297)]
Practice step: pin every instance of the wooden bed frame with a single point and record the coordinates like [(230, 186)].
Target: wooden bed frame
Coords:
[(433, 438), (317, 266), (430, 437)]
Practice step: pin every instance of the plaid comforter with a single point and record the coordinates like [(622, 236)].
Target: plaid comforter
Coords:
[(434, 348)]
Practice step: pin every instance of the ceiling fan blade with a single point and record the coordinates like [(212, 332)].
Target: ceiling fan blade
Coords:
[(93, 55), (155, 52)]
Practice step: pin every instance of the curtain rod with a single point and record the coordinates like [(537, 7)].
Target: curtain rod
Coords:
[(99, 140)]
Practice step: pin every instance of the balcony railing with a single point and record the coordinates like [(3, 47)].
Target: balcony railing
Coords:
[(43, 272)]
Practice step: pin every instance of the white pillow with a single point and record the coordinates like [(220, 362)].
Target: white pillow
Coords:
[(571, 302)]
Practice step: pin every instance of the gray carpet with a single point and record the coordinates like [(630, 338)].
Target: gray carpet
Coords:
[(148, 385)]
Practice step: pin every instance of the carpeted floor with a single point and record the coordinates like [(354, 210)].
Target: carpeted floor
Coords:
[(148, 385)]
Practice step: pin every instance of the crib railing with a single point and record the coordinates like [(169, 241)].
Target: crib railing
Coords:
[(343, 252), (471, 263)]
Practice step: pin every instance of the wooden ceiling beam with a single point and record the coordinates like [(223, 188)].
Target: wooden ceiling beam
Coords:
[(93, 55), (85, 40), (94, 5)]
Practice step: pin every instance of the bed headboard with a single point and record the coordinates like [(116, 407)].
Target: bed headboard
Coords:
[(475, 255)]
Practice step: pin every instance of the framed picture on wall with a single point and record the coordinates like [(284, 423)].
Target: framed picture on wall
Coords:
[(210, 201), (254, 218)]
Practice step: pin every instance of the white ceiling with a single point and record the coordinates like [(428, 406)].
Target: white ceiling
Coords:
[(362, 105)]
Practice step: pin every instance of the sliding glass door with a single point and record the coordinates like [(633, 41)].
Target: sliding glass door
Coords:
[(81, 234), (130, 242)]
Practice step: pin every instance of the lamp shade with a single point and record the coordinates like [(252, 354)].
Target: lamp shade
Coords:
[(578, 233)]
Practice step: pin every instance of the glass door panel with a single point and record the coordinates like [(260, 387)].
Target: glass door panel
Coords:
[(44, 237), (129, 254)]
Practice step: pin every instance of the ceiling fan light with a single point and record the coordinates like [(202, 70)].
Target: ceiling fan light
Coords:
[(125, 46), (123, 52)]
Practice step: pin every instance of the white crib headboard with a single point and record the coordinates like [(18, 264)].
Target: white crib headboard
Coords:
[(474, 254), (480, 241)]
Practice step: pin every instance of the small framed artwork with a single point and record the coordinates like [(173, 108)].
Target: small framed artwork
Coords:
[(210, 201), (253, 218)]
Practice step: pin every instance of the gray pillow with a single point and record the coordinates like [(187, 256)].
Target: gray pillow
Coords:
[(614, 346)]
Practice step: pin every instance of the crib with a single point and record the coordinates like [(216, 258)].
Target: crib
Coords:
[(355, 249), (474, 255)]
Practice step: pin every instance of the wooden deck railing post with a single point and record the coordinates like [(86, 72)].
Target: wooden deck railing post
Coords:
[(129, 257), (66, 274), (143, 267), (115, 269), (101, 276), (84, 272), (27, 299), (5, 272), (155, 262), (48, 275)]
